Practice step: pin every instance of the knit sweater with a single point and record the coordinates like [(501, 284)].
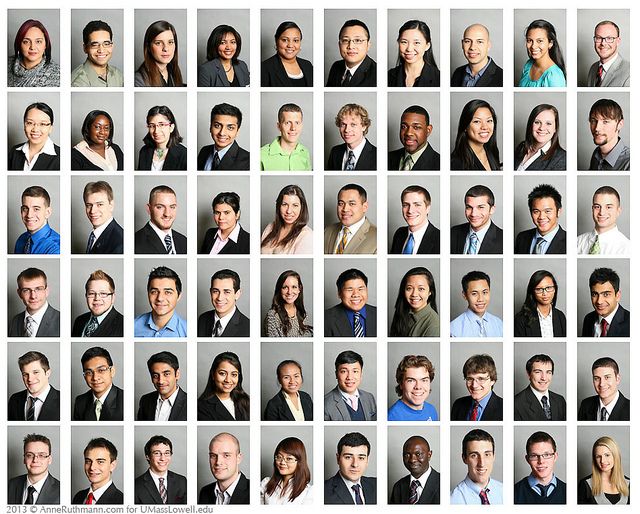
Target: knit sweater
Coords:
[(42, 75), (524, 495)]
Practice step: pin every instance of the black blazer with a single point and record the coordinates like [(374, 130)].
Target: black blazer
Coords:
[(557, 162), (112, 409), (176, 159), (429, 76), (278, 410), (522, 329), (240, 494), (336, 492), (492, 76), (491, 244), (242, 246), (588, 410), (147, 407), (49, 494), (212, 74), (147, 493), (50, 410), (462, 406), (429, 160), (211, 409), (235, 159), (365, 75), (49, 326), (112, 496), (526, 407), (476, 165), (147, 241), (80, 162), (367, 160), (273, 73), (430, 243), (15, 161), (558, 243), (238, 325), (110, 241), (336, 322), (619, 324), (112, 325), (430, 494)]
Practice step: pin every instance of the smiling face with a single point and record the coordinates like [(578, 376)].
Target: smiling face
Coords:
[(480, 128), (97, 51), (604, 459), (32, 47), (224, 459), (604, 298), (159, 458), (606, 382), (542, 469), (541, 376), (479, 457), (96, 304), (352, 130), (290, 209), (290, 127), (416, 455), (416, 387), (290, 378), (223, 296), (33, 293), (101, 376), (36, 466), (476, 45), (98, 467), (34, 212), (417, 292), (349, 377), (163, 48), (543, 297), (478, 211), (354, 45), (479, 385), (351, 207), (290, 290), (606, 50), (288, 44), (35, 378), (544, 127), (354, 294), (605, 131), (353, 462), (414, 131), (225, 377), (99, 130), (605, 211), (98, 208), (163, 209), (412, 46), (286, 464), (164, 379), (538, 44), (37, 126), (478, 296), (163, 296), (415, 210), (544, 214), (228, 46), (224, 130), (225, 218)]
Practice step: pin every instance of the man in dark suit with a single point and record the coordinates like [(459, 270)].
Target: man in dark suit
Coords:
[(106, 236), (100, 460), (103, 401), (482, 404), (545, 206), (227, 236), (479, 235), (356, 153), (346, 402), (481, 70), (353, 233), (231, 486), (356, 69), (609, 404), (157, 236), (416, 152), (39, 319), (225, 319), (159, 485), (609, 318), (536, 402), (224, 153), (353, 316), (40, 401), (37, 486), (419, 236), (422, 484), (349, 486), (169, 401), (102, 320)]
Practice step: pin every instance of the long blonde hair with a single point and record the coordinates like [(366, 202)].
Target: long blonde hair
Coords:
[(617, 474)]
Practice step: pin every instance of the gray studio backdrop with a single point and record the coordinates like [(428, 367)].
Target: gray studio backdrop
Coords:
[(459, 100), (16, 105), (332, 435), (206, 269), (369, 368), (398, 102), (587, 21), (142, 269), (16, 184), (333, 21), (114, 18), (83, 103), (587, 435), (78, 384), (178, 18), (583, 132), (14, 373), (271, 102), (205, 434), (459, 468), (460, 267), (398, 17), (462, 183), (396, 353), (80, 225), (460, 352), (524, 268), (80, 271), (208, 19), (333, 268), (50, 18), (272, 435), (588, 353), (271, 187), (587, 185), (333, 184), (14, 451), (271, 18), (207, 353), (584, 270), (522, 352), (51, 267), (460, 19), (143, 186), (333, 102), (178, 438), (206, 101), (521, 20), (81, 435), (521, 466), (523, 185)]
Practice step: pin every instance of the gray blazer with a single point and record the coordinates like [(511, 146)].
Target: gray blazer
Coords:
[(49, 326), (49, 494), (617, 76), (212, 74), (336, 410)]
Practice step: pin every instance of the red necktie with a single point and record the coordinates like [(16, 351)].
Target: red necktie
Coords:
[(600, 74), (605, 326), (90, 499), (474, 412), (484, 499)]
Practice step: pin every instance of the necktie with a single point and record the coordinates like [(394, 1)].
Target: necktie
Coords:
[(484, 499), (163, 490), (29, 326), (346, 79), (600, 75), (546, 408), (97, 406), (358, 329), (353, 401), (543, 489), (31, 408), (473, 244), (92, 239), (408, 247), (30, 491), (407, 164), (168, 243), (219, 498), (603, 414), (90, 499), (356, 490), (540, 241), (483, 329), (595, 247), (216, 160), (343, 241), (91, 327), (217, 329), (413, 492), (604, 329), (27, 245), (350, 165), (474, 412)]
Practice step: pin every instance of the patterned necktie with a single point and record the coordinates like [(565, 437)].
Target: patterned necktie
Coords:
[(92, 239), (483, 328), (595, 247), (31, 408), (474, 411), (217, 329), (97, 406), (90, 500), (356, 490), (346, 79), (91, 327), (543, 489), (408, 248), (604, 328), (473, 244), (546, 408), (27, 245), (407, 164), (484, 499), (358, 329), (413, 492), (219, 498), (216, 161), (600, 75), (603, 414), (168, 243), (350, 165), (540, 241), (29, 326), (163, 490), (30, 491), (343, 241)]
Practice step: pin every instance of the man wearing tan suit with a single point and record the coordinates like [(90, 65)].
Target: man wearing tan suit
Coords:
[(354, 233)]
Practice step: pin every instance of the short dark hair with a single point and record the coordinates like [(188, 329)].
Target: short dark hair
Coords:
[(354, 23), (544, 191), (31, 274), (480, 363), (290, 107), (94, 26), (607, 190), (353, 439), (477, 434), (351, 274), (348, 357), (164, 272), (227, 273), (472, 276), (37, 192), (154, 441), (161, 189), (540, 437), (417, 109), (101, 442), (165, 358), (357, 187), (602, 275), (413, 361), (605, 362), (608, 22), (607, 108), (33, 356), (225, 109), (96, 351), (480, 190), (36, 438), (230, 198), (540, 357), (100, 275), (416, 189), (100, 186)]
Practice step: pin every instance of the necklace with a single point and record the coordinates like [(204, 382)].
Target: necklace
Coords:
[(227, 70), (160, 153)]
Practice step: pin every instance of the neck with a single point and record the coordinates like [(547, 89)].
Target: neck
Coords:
[(224, 484), (285, 480), (290, 308), (604, 230), (225, 233), (168, 395), (479, 229), (544, 481), (543, 62), (161, 321), (161, 66), (414, 68), (355, 144), (544, 309), (30, 65), (161, 146), (477, 148), (95, 487), (223, 395), (35, 148), (96, 147), (608, 400), (610, 58), (475, 68), (606, 148), (226, 63), (417, 227), (287, 146), (99, 69), (482, 485), (287, 61), (36, 478)]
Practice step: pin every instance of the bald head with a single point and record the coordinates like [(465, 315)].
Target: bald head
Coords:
[(476, 46), (227, 438)]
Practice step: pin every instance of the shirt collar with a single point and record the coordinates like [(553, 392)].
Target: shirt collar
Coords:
[(223, 151), (610, 317), (43, 394), (229, 490), (171, 398), (39, 314), (233, 236), (103, 398), (615, 152), (42, 233), (356, 226), (610, 406), (99, 230), (48, 148), (548, 237), (100, 491)]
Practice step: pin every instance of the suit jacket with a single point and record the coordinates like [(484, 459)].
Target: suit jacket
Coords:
[(242, 246), (112, 496), (364, 241), (235, 159), (273, 73), (211, 409), (492, 411), (50, 410), (429, 77), (521, 329), (476, 165), (588, 410), (49, 326), (80, 163), (238, 325), (491, 244), (336, 410), (336, 323), (619, 326), (368, 160), (617, 76), (176, 159), (147, 407), (240, 494), (557, 162), (558, 243), (212, 74), (365, 75), (430, 494), (336, 492), (147, 493), (492, 76), (147, 241), (110, 241), (429, 160), (45, 161), (278, 410), (526, 407), (112, 325), (430, 243), (49, 494), (112, 409)]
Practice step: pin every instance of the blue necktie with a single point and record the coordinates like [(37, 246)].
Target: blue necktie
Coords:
[(356, 489), (473, 244), (92, 239), (358, 329), (408, 248), (27, 245)]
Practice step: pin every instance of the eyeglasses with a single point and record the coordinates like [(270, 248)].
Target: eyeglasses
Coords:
[(480, 380), (33, 124), (34, 456), (31, 290), (538, 456), (345, 41), (96, 294), (607, 39), (548, 289), (280, 458), (94, 45), (161, 125), (88, 373), (157, 454)]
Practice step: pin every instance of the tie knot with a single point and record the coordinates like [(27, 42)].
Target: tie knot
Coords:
[(161, 480)]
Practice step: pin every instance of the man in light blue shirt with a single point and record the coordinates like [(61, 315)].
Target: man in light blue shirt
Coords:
[(475, 321), (35, 211), (164, 290)]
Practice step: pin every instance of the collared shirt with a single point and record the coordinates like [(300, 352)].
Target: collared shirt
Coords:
[(224, 321), (298, 413), (466, 325), (208, 165), (220, 242), (39, 402), (417, 237), (470, 80), (548, 237), (161, 235), (349, 485), (414, 156), (363, 318), (228, 492), (155, 478), (352, 70), (99, 319), (36, 485), (356, 153), (162, 412), (612, 242), (351, 399), (107, 163), (482, 405), (533, 484), (104, 396), (539, 395), (540, 153), (85, 76), (274, 158), (48, 149), (422, 481), (97, 231), (609, 407), (37, 317), (468, 492), (352, 231), (546, 323), (607, 65), (44, 241), (144, 326), (479, 234), (616, 160), (597, 325), (100, 491)]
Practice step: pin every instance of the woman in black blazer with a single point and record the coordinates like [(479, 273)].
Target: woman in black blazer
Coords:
[(223, 68), (285, 68), (162, 149), (38, 125), (542, 294), (97, 151), (542, 131), (226, 216), (223, 398), (476, 146), (416, 66), (290, 378)]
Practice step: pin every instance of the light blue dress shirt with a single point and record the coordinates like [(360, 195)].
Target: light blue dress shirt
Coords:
[(467, 492), (468, 324), (145, 327)]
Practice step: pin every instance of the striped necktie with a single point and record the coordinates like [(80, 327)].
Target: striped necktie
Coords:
[(343, 241), (163, 490), (358, 329), (473, 244), (168, 243)]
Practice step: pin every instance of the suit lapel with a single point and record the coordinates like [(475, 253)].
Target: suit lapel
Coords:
[(358, 237), (340, 405), (150, 486), (341, 490), (43, 329)]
